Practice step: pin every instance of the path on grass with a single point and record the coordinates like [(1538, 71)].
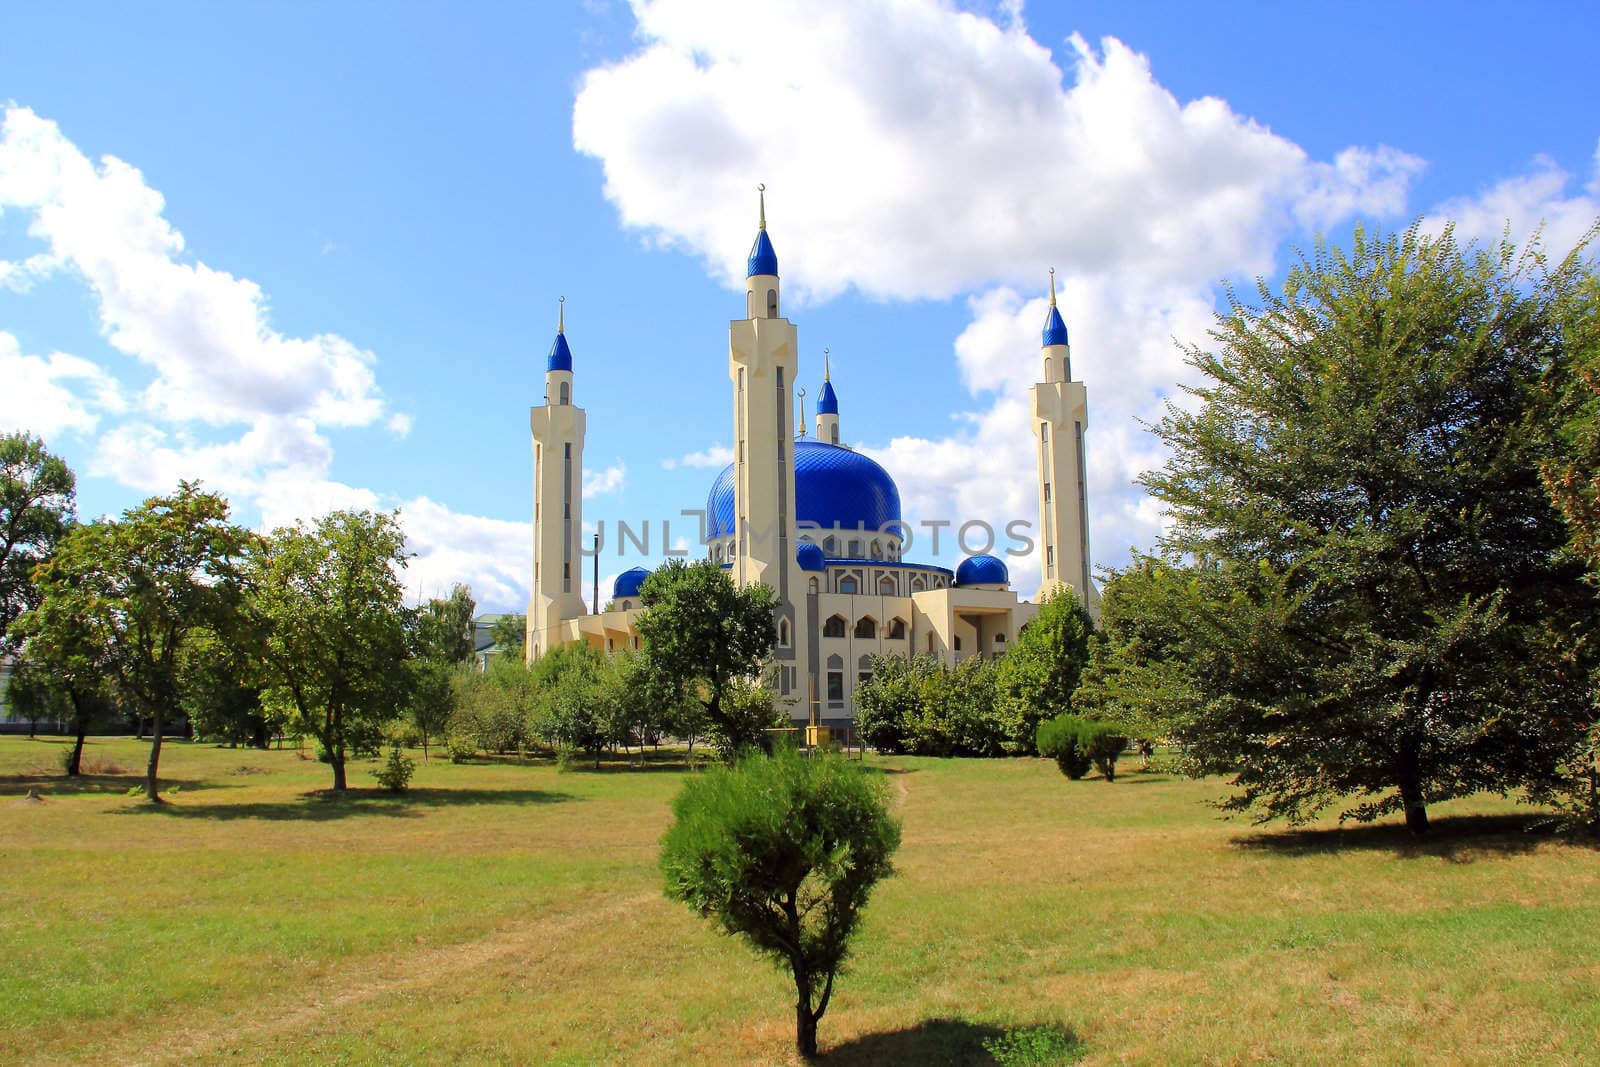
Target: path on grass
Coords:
[(363, 980)]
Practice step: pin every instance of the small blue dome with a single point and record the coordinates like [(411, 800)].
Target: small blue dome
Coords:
[(982, 570), (628, 582), (763, 260), (833, 487), (560, 355), (809, 557), (1055, 331), (827, 403)]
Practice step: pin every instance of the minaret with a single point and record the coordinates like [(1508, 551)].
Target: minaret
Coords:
[(1060, 409), (827, 406), (558, 429), (763, 355)]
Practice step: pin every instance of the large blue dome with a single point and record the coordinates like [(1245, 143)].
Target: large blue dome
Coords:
[(833, 486), (982, 570), (628, 582)]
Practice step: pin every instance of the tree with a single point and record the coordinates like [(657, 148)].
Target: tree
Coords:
[(919, 705), (1039, 673), (703, 634), (1377, 565), (41, 692), (222, 691), (330, 602), (444, 627), (784, 851), (37, 506), (576, 702), (510, 633), (123, 598), (433, 699)]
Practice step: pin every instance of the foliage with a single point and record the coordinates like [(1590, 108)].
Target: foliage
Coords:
[(784, 851), (702, 634), (443, 627), (1035, 1046), (1058, 739), (121, 599), (433, 699), (578, 699), (222, 687), (1377, 567), (38, 495), (749, 711), (494, 708), (1039, 673), (395, 774), (1102, 743), (329, 599), (510, 633), (923, 707)]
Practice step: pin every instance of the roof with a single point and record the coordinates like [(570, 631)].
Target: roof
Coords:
[(1055, 330), (828, 401), (560, 354), (834, 487), (763, 260), (982, 570)]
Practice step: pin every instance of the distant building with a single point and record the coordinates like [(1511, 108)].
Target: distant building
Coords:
[(817, 521)]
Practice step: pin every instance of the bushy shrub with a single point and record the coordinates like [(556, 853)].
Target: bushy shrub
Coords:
[(395, 774), (1035, 1046), (1058, 739), (923, 707), (1102, 742), (461, 748)]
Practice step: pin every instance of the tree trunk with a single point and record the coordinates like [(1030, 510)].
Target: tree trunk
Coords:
[(75, 764), (336, 759), (1410, 782), (425, 748), (805, 1023), (151, 787)]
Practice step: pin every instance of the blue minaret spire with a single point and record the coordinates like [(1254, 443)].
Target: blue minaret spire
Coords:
[(763, 260), (560, 354), (1055, 330)]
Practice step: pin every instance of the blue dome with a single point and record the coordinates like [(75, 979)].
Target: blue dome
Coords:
[(827, 403), (1055, 331), (560, 355), (982, 570), (763, 260), (809, 557), (628, 582), (833, 486)]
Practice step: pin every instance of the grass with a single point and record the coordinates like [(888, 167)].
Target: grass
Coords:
[(512, 913)]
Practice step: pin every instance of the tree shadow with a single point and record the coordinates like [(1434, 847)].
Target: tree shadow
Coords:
[(57, 784), (932, 1041), (325, 805), (1455, 838)]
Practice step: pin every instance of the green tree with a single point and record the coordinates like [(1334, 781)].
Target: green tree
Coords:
[(38, 496), (510, 634), (1377, 561), (703, 634), (124, 597), (444, 627), (222, 688), (784, 851), (42, 692), (329, 600), (1036, 678), (433, 698), (496, 708), (577, 698)]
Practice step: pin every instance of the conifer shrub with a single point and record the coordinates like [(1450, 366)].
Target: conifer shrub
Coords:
[(1101, 743), (1058, 739), (395, 774)]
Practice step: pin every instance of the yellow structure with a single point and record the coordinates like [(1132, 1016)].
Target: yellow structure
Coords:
[(817, 521)]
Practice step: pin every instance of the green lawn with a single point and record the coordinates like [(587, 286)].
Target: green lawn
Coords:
[(506, 913)]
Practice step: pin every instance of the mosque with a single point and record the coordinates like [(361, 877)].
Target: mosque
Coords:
[(814, 519)]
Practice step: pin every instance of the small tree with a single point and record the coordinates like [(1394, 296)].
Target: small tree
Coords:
[(1038, 675), (37, 497), (443, 628), (510, 633), (433, 699), (1058, 739), (784, 851)]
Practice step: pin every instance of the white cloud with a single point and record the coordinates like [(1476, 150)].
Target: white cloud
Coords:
[(1536, 200), (493, 556), (913, 150), (713, 458), (49, 395), (204, 333), (608, 480)]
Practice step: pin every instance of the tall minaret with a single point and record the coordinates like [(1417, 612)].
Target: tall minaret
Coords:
[(827, 406), (763, 356), (1060, 409), (557, 500)]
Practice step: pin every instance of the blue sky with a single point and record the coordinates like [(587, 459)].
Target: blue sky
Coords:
[(311, 253)]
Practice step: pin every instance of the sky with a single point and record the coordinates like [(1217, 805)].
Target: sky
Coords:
[(311, 254)]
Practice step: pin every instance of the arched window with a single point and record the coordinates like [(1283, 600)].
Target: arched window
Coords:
[(855, 549), (886, 585), (866, 626), (566, 396), (772, 303), (897, 629), (877, 549), (783, 633), (999, 639), (814, 586), (930, 642), (958, 644), (829, 546), (833, 432), (627, 605), (834, 627), (918, 585), (847, 585)]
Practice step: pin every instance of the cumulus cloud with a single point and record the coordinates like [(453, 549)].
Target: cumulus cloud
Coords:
[(203, 333), (713, 458), (912, 150), (493, 556), (49, 395), (1541, 199), (606, 480)]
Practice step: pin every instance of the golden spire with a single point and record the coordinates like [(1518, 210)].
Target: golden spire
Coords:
[(1052, 287), (825, 368), (761, 191), (802, 432), (561, 315)]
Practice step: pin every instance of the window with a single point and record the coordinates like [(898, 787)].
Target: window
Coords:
[(1047, 492), (814, 586), (897, 629), (836, 685), (847, 585), (886, 585), (783, 638), (566, 397), (866, 626), (877, 549), (999, 639), (829, 546), (833, 433), (627, 605), (787, 685), (855, 549), (958, 644), (834, 627), (772, 303), (917, 584), (1044, 431), (930, 642), (864, 677)]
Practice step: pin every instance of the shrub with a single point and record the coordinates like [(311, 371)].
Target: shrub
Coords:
[(1059, 739), (461, 748), (1102, 742), (784, 851), (395, 774), (1035, 1045)]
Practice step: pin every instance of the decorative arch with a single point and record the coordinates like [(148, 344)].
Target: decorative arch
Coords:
[(783, 633), (918, 584), (897, 629), (886, 585), (815, 585), (866, 626), (848, 584), (566, 393), (834, 627)]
